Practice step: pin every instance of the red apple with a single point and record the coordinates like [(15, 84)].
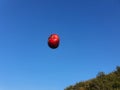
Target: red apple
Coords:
[(53, 41)]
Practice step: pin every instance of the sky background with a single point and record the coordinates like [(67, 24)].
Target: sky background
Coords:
[(90, 42)]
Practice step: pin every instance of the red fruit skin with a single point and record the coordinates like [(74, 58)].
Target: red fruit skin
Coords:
[(53, 41)]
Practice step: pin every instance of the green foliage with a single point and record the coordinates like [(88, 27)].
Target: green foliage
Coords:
[(102, 81), (100, 74)]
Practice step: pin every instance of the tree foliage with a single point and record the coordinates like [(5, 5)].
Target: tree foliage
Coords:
[(102, 81)]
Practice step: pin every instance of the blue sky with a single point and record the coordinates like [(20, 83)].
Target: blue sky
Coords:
[(90, 42)]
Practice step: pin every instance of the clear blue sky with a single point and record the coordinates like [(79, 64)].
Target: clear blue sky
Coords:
[(90, 42)]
